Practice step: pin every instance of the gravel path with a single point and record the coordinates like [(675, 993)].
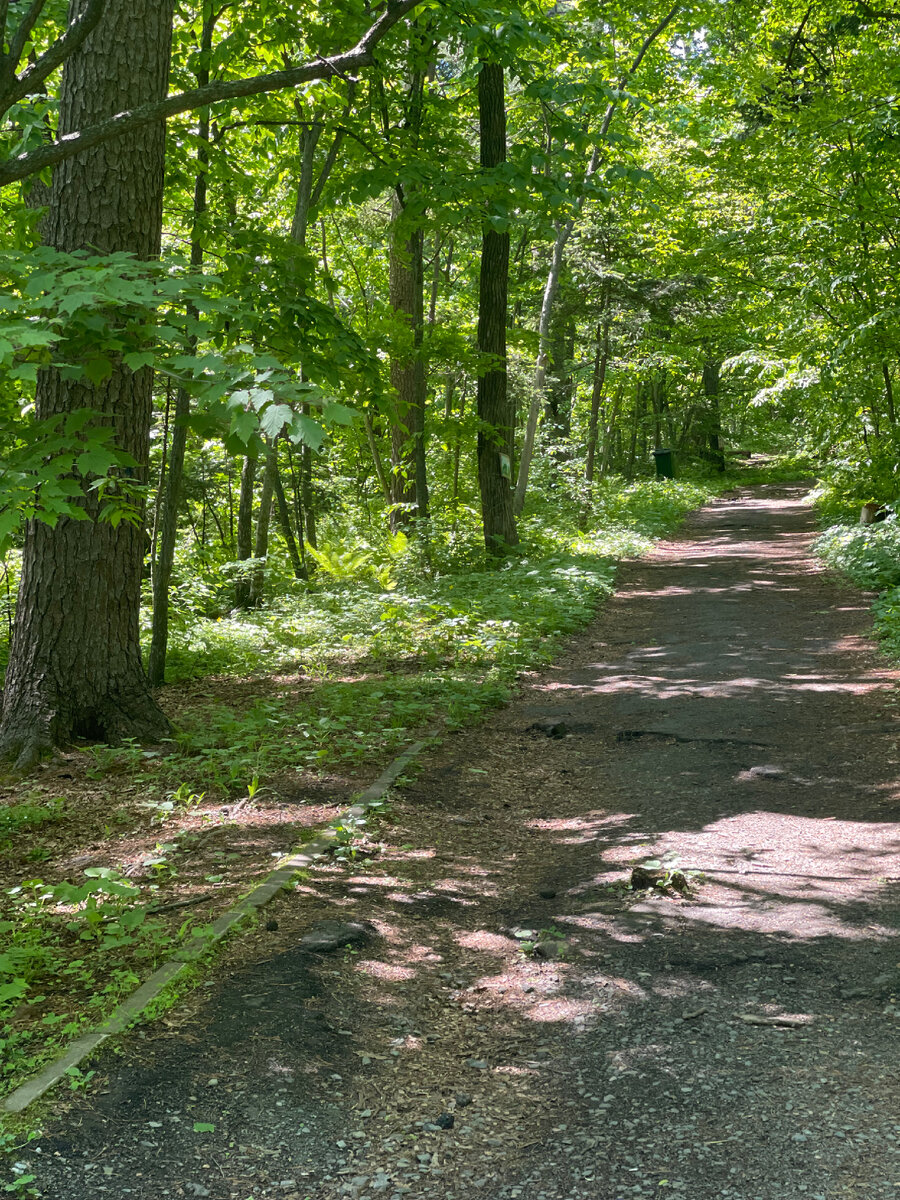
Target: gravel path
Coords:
[(512, 1020)]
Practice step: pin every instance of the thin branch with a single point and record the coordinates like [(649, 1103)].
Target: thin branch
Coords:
[(341, 131), (54, 56), (362, 55), (647, 43), (331, 156), (795, 40), (19, 39), (327, 167)]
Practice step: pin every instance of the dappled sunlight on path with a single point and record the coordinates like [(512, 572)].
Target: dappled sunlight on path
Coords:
[(521, 1023)]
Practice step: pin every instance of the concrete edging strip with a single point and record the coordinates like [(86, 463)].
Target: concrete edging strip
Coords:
[(275, 881)]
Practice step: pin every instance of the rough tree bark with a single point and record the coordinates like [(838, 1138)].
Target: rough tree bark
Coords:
[(495, 417), (75, 662)]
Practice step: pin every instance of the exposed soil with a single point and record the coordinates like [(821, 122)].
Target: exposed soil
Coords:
[(734, 1037)]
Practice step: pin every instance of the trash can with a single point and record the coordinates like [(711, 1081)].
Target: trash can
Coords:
[(665, 463)]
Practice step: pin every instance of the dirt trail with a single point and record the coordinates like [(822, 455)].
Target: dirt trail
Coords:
[(726, 707)]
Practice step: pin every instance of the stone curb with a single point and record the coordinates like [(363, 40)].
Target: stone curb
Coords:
[(277, 880)]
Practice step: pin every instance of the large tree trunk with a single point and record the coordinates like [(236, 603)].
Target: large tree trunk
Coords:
[(495, 432), (75, 662)]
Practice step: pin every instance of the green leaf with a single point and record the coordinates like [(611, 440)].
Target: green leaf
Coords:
[(97, 369), (274, 418), (306, 430), (96, 461), (337, 414), (13, 991), (139, 358)]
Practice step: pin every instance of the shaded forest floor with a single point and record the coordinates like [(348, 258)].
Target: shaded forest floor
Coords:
[(512, 1019)]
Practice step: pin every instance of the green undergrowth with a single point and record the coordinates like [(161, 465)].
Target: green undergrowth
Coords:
[(868, 555), (359, 666), (397, 636), (70, 953)]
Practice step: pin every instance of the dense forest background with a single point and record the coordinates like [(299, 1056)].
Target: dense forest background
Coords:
[(398, 291)]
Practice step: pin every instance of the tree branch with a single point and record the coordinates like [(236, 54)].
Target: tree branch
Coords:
[(645, 46), (362, 55), (795, 40), (23, 33), (66, 44)]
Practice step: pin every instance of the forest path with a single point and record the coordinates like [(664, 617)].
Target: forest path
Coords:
[(726, 706)]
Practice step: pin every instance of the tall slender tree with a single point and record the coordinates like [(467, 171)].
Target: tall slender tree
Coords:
[(495, 432)]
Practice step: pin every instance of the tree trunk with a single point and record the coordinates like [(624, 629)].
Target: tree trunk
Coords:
[(457, 446), (376, 458), (284, 517), (610, 429), (163, 472), (889, 393), (261, 546), (601, 358), (245, 531), (563, 233), (635, 428), (309, 139), (75, 661), (714, 420), (657, 415), (409, 486), (165, 552), (163, 555), (306, 492), (495, 432)]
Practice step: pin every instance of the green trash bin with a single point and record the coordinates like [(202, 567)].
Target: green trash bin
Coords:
[(665, 463)]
